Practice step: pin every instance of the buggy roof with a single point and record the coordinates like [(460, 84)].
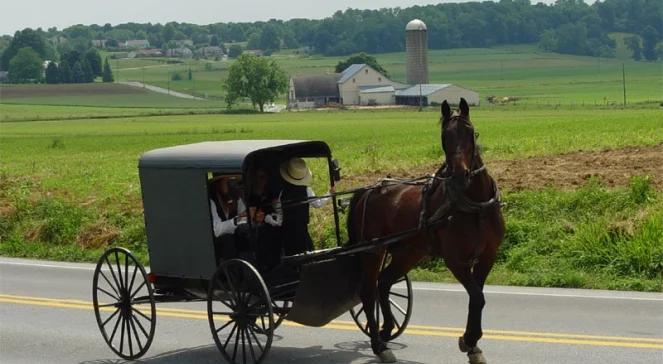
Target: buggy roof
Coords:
[(228, 155)]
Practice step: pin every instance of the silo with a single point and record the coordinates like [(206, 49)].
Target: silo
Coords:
[(416, 47)]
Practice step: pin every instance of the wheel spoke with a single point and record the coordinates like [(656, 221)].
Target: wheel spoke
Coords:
[(107, 281), (398, 307), (108, 305), (137, 289), (140, 326), (248, 338), (358, 314), (122, 336), (133, 326), (126, 272), (129, 334), (401, 280), (133, 277), (243, 347), (117, 323), (222, 313), (108, 293), (119, 272), (142, 314), (398, 295), (236, 344), (224, 326), (103, 324), (110, 267), (225, 345), (256, 339), (398, 326)]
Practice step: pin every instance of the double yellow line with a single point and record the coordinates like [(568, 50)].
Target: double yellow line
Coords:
[(416, 330)]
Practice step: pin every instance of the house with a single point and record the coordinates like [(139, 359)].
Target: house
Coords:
[(152, 52), (358, 76), (376, 95), (181, 52), (255, 52), (210, 52), (184, 43), (431, 94), (136, 44), (99, 43), (311, 91)]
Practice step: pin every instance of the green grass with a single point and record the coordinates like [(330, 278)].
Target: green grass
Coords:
[(522, 71), (69, 188)]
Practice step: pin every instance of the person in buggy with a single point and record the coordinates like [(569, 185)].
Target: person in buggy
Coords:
[(228, 212)]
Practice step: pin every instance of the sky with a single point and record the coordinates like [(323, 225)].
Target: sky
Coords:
[(20, 14)]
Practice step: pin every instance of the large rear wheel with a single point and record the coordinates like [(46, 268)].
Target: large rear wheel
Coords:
[(123, 303), (240, 313)]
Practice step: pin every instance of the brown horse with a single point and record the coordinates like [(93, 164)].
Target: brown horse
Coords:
[(458, 216)]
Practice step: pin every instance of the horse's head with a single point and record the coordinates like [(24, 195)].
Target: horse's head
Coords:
[(458, 143)]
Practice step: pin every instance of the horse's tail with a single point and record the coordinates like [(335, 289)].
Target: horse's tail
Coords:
[(352, 224)]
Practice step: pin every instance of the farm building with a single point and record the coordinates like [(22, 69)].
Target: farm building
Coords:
[(182, 52), (313, 91), (429, 94), (359, 84), (137, 44)]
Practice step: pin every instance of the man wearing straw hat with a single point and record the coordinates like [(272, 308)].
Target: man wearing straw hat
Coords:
[(298, 178)]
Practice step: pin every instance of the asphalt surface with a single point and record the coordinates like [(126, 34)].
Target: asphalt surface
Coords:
[(46, 317)]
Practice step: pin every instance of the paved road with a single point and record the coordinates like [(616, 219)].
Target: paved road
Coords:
[(46, 317), (160, 90)]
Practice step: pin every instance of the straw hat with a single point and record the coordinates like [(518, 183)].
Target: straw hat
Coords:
[(295, 172)]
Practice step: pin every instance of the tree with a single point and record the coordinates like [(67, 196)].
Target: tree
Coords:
[(633, 43), (108, 73), (22, 39), (235, 51), (361, 58), (649, 40), (214, 41), (77, 74), (257, 78), (65, 72), (25, 66), (88, 74), (52, 73), (94, 59)]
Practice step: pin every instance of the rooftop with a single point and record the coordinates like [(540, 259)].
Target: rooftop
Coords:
[(416, 24), (424, 89), (350, 71)]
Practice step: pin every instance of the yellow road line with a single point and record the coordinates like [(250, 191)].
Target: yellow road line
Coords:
[(419, 330)]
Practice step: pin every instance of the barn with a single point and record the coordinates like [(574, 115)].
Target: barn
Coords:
[(431, 94), (310, 91)]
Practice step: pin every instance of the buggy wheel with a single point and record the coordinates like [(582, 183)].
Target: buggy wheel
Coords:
[(123, 303), (401, 308), (240, 312)]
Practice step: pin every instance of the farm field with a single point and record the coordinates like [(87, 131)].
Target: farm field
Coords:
[(520, 71), (69, 188)]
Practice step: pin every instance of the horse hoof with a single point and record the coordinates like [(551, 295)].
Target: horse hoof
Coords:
[(462, 346), (387, 356), (477, 357)]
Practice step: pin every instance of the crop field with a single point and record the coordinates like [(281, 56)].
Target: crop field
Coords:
[(524, 72), (69, 188), (582, 177)]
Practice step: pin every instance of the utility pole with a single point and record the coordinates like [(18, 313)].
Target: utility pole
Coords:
[(143, 76), (624, 82)]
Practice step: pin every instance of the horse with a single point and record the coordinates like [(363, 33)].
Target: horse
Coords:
[(456, 215)]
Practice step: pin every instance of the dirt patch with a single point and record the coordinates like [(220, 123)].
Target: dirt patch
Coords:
[(567, 171)]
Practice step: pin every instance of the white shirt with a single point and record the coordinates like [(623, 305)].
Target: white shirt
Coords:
[(276, 218), (221, 227)]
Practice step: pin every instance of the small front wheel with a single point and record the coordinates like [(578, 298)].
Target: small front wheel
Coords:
[(240, 313), (123, 303)]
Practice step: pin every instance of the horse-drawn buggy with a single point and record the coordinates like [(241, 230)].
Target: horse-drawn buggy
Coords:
[(262, 276)]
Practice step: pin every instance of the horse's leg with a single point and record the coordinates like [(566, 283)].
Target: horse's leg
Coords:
[(468, 342), (368, 295), (399, 266)]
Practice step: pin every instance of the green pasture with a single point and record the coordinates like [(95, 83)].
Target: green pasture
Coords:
[(520, 71), (69, 188)]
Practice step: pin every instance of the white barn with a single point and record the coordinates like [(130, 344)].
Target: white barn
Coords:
[(429, 94)]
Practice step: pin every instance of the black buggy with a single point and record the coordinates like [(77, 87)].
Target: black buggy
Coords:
[(244, 305)]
